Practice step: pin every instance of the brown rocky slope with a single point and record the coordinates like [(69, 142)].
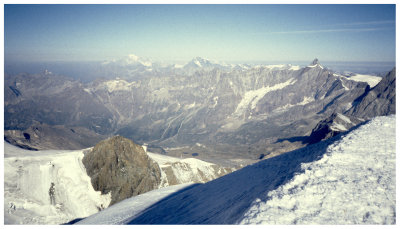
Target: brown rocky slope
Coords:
[(119, 166)]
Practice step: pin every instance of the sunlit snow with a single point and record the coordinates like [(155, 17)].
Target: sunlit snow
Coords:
[(27, 179), (371, 80), (252, 97), (354, 183)]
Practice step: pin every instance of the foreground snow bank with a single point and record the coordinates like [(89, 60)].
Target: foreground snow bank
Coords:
[(348, 179), (27, 180), (354, 183)]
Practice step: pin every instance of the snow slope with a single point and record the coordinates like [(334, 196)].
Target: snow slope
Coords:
[(29, 174), (27, 179), (125, 210), (354, 183), (348, 179)]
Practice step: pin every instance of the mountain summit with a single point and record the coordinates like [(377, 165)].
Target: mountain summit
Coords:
[(315, 61)]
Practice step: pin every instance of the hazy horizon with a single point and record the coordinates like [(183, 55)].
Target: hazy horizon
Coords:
[(230, 33)]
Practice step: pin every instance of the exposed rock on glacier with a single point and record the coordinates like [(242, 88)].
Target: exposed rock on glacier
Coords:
[(119, 166)]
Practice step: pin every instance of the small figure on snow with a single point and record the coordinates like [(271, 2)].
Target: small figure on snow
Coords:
[(52, 191)]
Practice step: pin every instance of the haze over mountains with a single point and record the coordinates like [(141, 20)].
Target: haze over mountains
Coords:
[(225, 113)]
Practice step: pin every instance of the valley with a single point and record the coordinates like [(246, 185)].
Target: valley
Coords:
[(222, 113)]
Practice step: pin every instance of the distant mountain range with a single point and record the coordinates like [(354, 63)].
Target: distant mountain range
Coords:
[(228, 114)]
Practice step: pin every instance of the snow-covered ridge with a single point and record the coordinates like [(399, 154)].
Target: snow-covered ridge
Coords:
[(353, 183), (130, 60), (349, 179)]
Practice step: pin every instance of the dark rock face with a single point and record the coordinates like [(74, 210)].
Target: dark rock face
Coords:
[(122, 167), (331, 127), (315, 61), (379, 101)]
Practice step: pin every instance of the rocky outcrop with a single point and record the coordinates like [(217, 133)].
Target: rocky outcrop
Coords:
[(332, 126), (119, 166)]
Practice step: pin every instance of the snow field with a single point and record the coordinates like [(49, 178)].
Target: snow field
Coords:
[(371, 80), (353, 183), (251, 98), (27, 180)]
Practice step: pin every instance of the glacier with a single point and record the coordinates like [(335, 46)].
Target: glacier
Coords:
[(28, 176)]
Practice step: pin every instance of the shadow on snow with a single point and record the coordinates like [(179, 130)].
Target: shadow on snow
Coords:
[(225, 200)]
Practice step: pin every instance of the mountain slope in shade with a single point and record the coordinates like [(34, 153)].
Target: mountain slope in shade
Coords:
[(348, 179)]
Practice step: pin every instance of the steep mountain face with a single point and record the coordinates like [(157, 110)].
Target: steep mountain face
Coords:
[(378, 101), (53, 100), (119, 166), (219, 112)]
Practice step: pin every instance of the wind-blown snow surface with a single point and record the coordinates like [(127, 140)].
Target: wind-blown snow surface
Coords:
[(354, 183), (27, 179), (349, 179)]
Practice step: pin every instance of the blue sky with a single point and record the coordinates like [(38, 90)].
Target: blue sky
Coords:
[(217, 32)]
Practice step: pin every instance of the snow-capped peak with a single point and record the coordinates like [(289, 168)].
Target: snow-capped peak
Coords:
[(133, 57), (131, 60), (200, 62)]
